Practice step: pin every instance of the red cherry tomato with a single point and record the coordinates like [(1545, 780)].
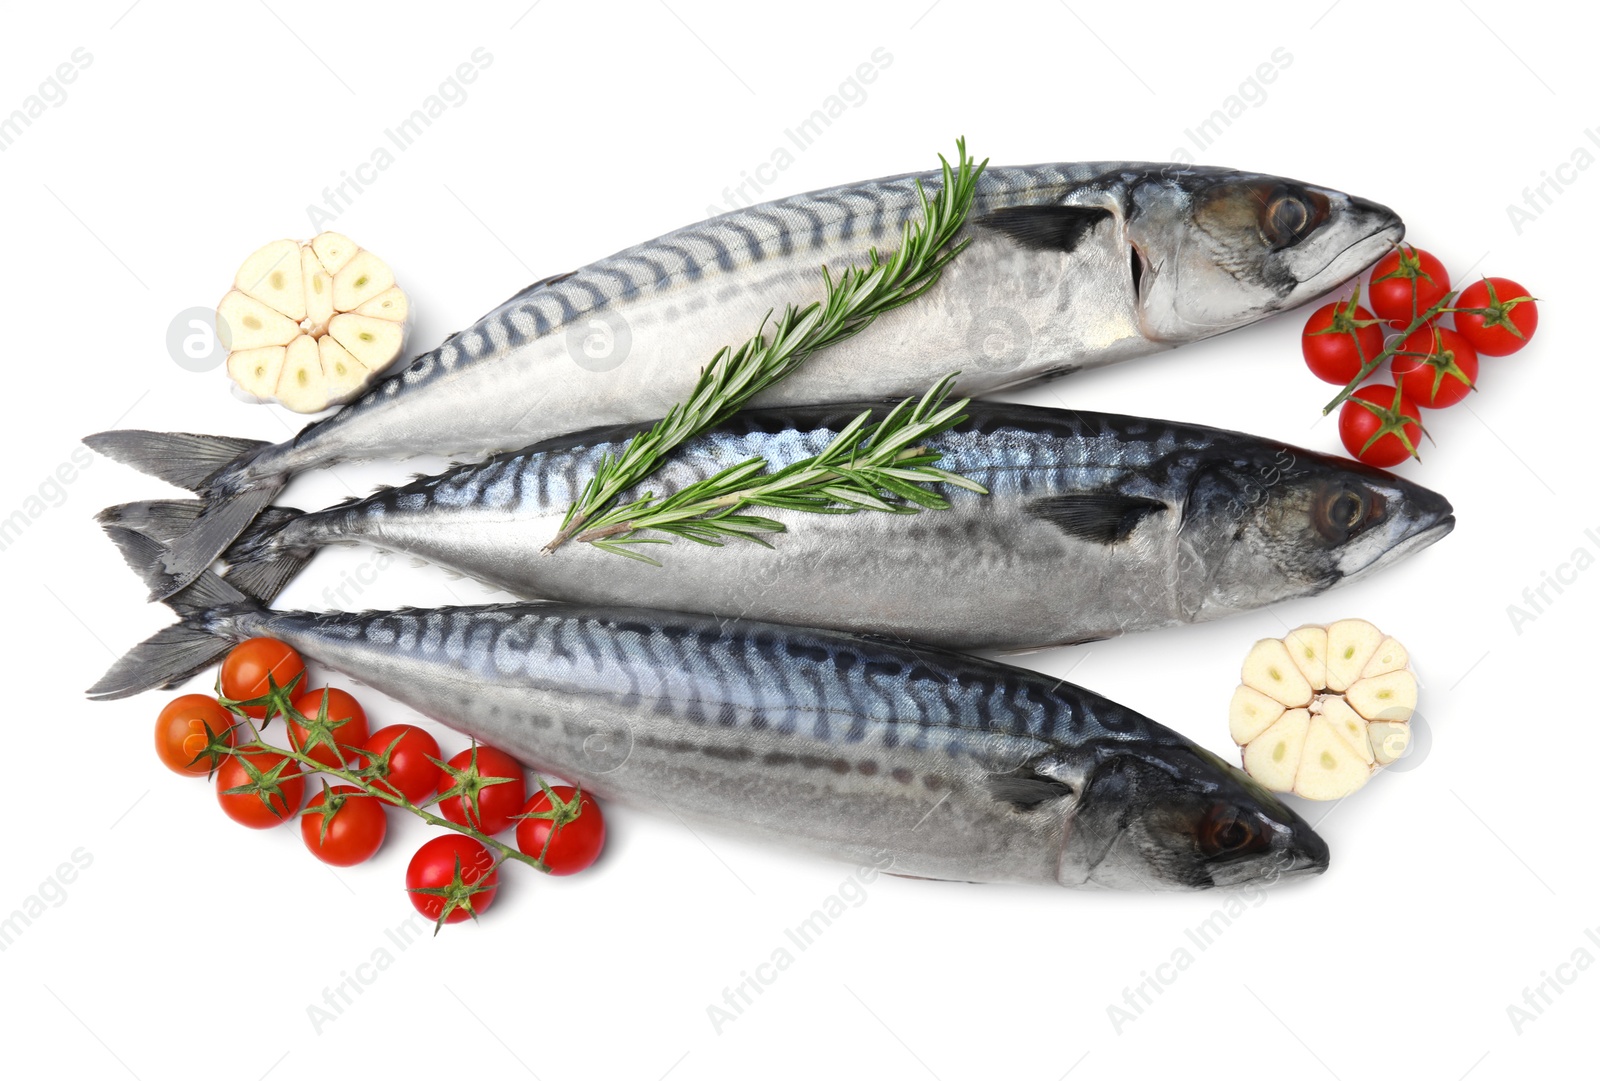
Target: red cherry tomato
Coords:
[(263, 778), (412, 771), (495, 786), (1339, 339), (1405, 284), (1510, 318), (1435, 367), (343, 826), (345, 723), (451, 878), (245, 670), (181, 732), (1371, 424), (570, 834)]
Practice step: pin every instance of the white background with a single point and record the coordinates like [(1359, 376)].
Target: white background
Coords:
[(192, 948)]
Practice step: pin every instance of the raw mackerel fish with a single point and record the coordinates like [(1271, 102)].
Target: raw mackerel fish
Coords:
[(1069, 266), (1095, 525), (948, 766)]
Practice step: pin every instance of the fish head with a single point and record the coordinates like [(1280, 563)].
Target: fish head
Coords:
[(1215, 249), (1169, 815), (1264, 523)]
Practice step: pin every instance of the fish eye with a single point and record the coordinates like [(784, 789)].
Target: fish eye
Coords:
[(1288, 217), (1346, 509), (1341, 513), (1224, 832)]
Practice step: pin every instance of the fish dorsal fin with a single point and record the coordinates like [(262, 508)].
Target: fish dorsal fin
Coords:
[(1102, 518), (1048, 228), (1026, 788), (540, 284)]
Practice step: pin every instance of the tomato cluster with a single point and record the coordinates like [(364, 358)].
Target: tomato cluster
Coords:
[(1433, 362), (482, 790)]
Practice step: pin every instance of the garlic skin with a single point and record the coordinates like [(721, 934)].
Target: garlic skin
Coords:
[(311, 325), (1320, 710)]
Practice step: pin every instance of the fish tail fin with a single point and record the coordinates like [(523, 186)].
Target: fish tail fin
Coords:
[(259, 563), (162, 520), (179, 458), (207, 609), (258, 566), (211, 466), (216, 527), (165, 659)]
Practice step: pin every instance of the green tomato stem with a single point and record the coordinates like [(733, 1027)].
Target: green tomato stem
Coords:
[(285, 708), (1388, 352)]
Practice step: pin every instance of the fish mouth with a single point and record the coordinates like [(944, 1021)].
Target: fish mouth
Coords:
[(1306, 854), (1416, 542), (1364, 250)]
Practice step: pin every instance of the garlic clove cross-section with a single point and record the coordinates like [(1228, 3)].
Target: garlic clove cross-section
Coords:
[(1250, 713), (311, 325), (1308, 648), (1317, 712), (1271, 670), (1351, 644), (1273, 758)]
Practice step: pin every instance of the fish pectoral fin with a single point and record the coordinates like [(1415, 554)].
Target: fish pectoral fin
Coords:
[(1101, 518), (1025, 788), (1047, 228)]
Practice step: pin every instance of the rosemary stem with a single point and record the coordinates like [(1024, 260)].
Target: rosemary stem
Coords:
[(853, 300), (731, 500)]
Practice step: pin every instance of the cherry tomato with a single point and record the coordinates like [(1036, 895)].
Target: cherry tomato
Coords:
[(181, 732), (570, 834), (260, 774), (1512, 316), (412, 771), (345, 723), (1405, 284), (1371, 424), (1339, 339), (451, 878), (343, 826), (498, 800), (245, 670), (1440, 370)]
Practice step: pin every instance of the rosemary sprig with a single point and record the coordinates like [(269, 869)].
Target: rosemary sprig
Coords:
[(853, 300), (878, 466)]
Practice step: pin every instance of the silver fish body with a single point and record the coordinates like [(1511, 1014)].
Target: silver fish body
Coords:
[(1095, 525), (949, 766), (1069, 266), (648, 318)]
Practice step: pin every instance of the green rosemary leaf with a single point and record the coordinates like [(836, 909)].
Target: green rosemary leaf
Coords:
[(853, 300), (958, 480)]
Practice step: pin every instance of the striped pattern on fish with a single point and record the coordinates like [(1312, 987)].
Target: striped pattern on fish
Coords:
[(846, 746), (1068, 266), (1093, 525)]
